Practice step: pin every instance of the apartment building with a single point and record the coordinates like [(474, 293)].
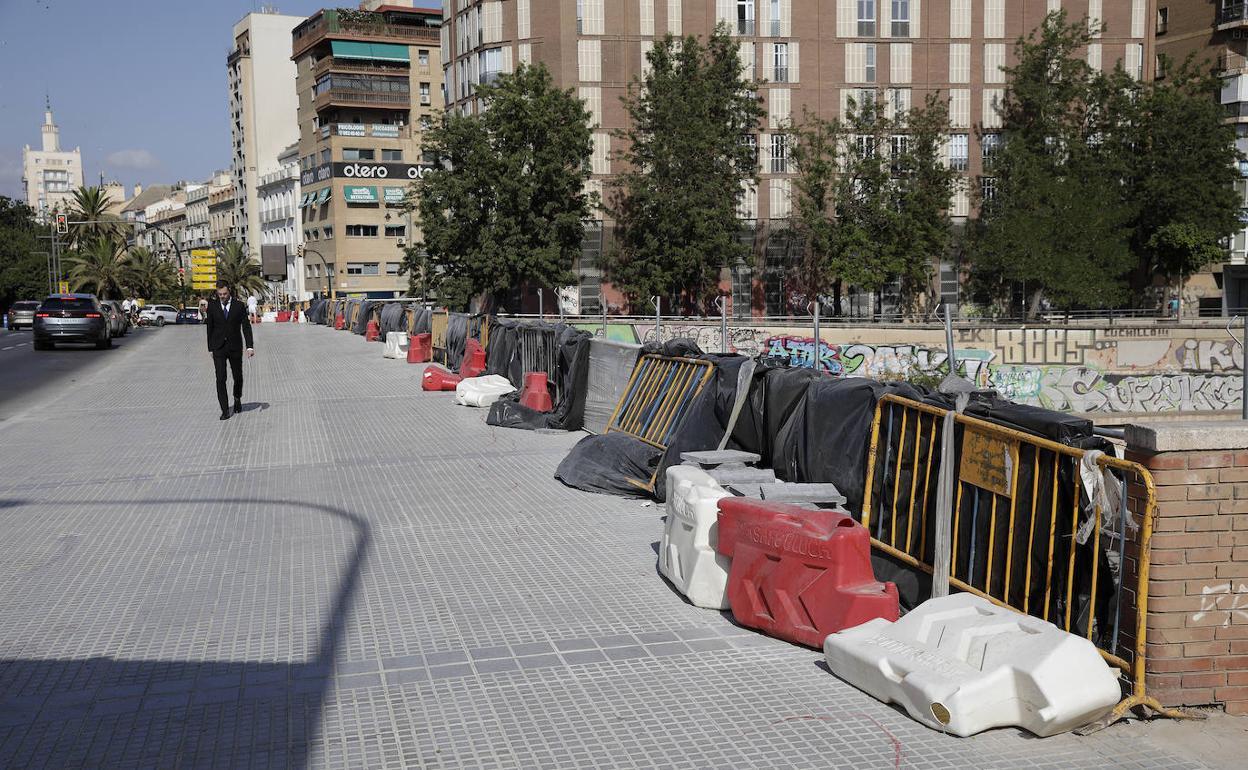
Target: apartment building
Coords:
[(262, 111), (1217, 34), (812, 56), (369, 81), (222, 214), (280, 225), (49, 174)]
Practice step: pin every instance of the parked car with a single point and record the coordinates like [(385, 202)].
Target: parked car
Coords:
[(158, 315), (189, 315), (118, 322), (71, 318), (22, 314)]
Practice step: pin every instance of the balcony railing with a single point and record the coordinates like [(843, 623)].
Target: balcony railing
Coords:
[(351, 96), (330, 24), (745, 26), (1235, 13), (332, 64)]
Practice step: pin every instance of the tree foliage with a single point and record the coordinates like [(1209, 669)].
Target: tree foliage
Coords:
[(23, 271), (684, 167), (101, 267), (242, 273), (90, 209), (506, 204), (148, 275)]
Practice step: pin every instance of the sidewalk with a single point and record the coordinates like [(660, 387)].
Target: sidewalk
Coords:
[(354, 573)]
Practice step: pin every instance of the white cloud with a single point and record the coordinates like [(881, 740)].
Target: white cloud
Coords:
[(141, 160)]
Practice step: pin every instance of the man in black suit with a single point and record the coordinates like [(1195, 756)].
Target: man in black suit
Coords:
[(227, 326)]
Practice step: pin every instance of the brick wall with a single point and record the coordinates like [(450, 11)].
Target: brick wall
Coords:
[(1197, 651)]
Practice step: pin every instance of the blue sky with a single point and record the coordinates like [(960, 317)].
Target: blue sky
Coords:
[(139, 85)]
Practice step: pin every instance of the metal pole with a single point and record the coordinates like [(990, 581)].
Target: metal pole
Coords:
[(541, 310), (657, 301), (559, 298), (604, 320), (722, 301), (817, 338), (953, 359)]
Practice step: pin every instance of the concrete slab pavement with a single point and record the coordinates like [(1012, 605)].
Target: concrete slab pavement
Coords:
[(354, 573)]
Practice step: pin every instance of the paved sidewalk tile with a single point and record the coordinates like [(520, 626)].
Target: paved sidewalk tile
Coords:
[(356, 574)]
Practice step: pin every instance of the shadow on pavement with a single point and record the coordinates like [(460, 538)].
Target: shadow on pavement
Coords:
[(105, 712)]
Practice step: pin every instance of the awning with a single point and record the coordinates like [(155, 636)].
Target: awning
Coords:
[(304, 200), (395, 194), (346, 49), (352, 194), (328, 191)]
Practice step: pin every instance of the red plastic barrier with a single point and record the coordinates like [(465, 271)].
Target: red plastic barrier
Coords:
[(474, 359), (799, 574), (283, 316), (419, 348), (339, 321), (294, 316), (536, 394), (437, 378), (373, 332)]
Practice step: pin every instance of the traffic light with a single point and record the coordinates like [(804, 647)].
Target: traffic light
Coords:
[(181, 271), (62, 224)]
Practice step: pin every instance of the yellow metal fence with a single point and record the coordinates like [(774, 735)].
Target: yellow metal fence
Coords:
[(1024, 532)]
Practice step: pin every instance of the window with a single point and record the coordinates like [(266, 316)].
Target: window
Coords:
[(490, 65), (392, 155), (745, 17), (580, 17), (987, 188), (424, 93), (775, 18), (868, 63), (990, 145), (355, 153), (396, 231), (361, 231), (425, 122), (779, 154), (865, 145), (329, 232), (959, 153), (901, 18), (325, 156), (363, 268), (422, 58), (751, 141), (392, 268), (898, 146), (1163, 20), (780, 62), (866, 18)]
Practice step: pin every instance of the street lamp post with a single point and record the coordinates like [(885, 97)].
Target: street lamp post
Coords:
[(329, 276), (176, 250)]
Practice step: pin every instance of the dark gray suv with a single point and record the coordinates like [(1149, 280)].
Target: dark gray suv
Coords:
[(71, 318)]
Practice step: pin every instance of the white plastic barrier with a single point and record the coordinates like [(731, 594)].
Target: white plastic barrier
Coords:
[(482, 391), (960, 664), (687, 554), (396, 345)]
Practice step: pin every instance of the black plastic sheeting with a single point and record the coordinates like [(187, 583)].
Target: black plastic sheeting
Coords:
[(393, 318), (456, 340), (572, 365), (315, 314), (364, 316)]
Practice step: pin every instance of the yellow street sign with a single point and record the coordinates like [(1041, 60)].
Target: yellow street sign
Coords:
[(64, 287), (197, 270), (203, 253), (204, 285), (203, 261)]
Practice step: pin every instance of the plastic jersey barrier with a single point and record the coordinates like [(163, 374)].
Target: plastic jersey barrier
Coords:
[(536, 392), (687, 555), (799, 574), (396, 345), (436, 378), (482, 391), (961, 664), (474, 359), (419, 349), (372, 332)]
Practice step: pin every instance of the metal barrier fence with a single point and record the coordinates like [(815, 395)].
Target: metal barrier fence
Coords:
[(439, 323), (539, 352), (1025, 531)]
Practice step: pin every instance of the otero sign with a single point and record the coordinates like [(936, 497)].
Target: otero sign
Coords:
[(365, 170)]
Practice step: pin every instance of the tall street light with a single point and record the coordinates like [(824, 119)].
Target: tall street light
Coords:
[(329, 276)]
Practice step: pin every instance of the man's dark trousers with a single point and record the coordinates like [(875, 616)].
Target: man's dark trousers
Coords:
[(235, 357)]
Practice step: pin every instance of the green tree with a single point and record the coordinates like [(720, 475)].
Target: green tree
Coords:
[(148, 275), (814, 158), (90, 207), (1183, 167), (101, 268), (1052, 213), (923, 186), (242, 273), (23, 271), (505, 205), (685, 165)]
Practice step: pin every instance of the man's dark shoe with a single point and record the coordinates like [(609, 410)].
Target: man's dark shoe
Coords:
[(225, 415), (238, 407)]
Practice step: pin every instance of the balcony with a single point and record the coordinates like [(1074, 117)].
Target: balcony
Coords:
[(334, 64), (349, 97), (358, 26), (1233, 15)]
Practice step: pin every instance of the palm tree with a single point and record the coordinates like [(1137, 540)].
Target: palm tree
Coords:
[(239, 271), (101, 267), (148, 275), (91, 205)]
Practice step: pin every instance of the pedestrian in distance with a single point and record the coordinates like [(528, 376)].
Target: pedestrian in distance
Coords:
[(251, 308), (228, 327)]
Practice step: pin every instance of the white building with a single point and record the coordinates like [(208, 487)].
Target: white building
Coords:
[(198, 233), (278, 196), (50, 175), (263, 111)]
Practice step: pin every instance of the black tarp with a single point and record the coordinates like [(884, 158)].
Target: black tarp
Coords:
[(364, 315), (610, 463), (315, 313), (500, 356), (422, 321), (393, 318), (456, 338), (572, 365)]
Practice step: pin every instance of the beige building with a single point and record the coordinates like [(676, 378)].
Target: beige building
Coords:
[(280, 223), (50, 174), (222, 214), (262, 111), (812, 56), (367, 82)]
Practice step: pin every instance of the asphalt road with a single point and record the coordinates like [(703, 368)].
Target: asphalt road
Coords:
[(26, 374)]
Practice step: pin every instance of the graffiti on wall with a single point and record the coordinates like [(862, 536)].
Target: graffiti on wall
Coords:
[(1084, 389), (878, 361)]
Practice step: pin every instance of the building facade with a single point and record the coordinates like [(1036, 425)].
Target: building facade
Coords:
[(222, 214), (812, 56), (368, 82), (262, 112), (280, 224), (49, 174), (1217, 34)]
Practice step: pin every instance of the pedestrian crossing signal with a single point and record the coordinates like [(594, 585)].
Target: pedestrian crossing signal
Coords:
[(62, 224)]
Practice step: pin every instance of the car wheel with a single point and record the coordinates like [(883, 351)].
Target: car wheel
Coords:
[(160, 320), (41, 345)]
